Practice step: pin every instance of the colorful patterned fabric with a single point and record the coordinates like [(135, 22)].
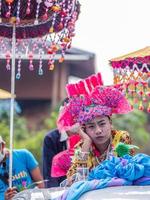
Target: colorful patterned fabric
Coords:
[(113, 172), (94, 157), (63, 165)]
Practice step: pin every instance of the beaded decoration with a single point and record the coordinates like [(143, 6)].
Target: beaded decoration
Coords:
[(41, 26), (88, 101), (131, 75)]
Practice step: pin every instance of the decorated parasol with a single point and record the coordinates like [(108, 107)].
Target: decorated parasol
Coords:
[(132, 75), (28, 27)]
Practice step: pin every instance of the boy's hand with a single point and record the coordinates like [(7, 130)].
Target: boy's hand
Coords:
[(84, 136), (87, 142)]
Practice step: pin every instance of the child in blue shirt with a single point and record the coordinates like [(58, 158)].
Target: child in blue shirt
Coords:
[(25, 171)]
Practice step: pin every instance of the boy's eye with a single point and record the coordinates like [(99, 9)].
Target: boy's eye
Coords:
[(102, 124), (91, 127)]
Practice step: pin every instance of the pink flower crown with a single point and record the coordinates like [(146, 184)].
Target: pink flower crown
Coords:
[(89, 99)]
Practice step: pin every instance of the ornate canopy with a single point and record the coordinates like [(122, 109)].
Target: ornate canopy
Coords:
[(132, 74)]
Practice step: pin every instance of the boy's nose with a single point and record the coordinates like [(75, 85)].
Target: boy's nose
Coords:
[(98, 130)]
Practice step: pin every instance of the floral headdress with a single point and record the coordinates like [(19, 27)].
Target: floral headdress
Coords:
[(89, 99)]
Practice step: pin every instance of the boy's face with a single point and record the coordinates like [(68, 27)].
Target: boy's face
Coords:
[(99, 129)]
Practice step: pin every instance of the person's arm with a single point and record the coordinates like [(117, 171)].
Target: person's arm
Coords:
[(33, 168), (37, 177)]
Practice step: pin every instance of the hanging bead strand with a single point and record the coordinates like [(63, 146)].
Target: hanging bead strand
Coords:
[(0, 11), (40, 71), (31, 67), (18, 75), (37, 11), (48, 5), (8, 13), (28, 10), (18, 12), (8, 56)]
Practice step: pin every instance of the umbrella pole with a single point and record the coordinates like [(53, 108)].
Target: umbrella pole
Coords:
[(12, 103)]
